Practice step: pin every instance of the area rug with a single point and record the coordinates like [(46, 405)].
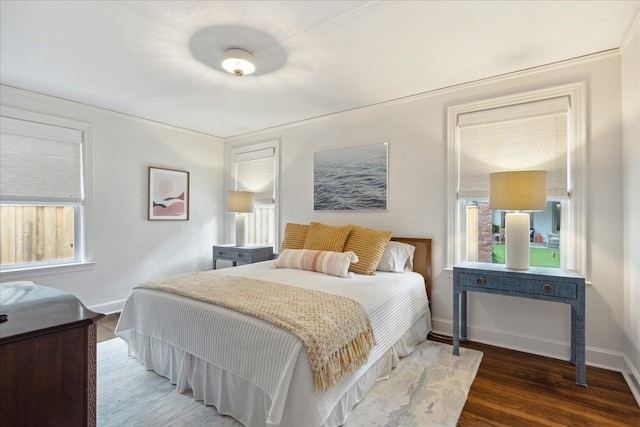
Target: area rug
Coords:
[(428, 388)]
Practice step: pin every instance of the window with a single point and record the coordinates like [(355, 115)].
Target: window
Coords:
[(255, 169), (542, 130), (42, 190), (485, 235)]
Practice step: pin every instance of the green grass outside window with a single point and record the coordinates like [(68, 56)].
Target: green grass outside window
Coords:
[(538, 257)]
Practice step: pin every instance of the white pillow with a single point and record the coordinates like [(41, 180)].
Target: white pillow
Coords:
[(327, 262), (397, 257)]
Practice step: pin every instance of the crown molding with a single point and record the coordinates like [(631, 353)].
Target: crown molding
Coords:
[(68, 102), (635, 27), (444, 90)]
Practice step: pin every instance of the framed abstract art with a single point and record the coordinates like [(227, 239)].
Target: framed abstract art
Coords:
[(168, 195)]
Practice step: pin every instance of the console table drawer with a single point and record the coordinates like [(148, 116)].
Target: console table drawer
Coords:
[(487, 281), (556, 289)]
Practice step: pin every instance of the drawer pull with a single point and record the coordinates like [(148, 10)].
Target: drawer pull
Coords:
[(220, 253), (547, 288), (480, 281), (240, 255)]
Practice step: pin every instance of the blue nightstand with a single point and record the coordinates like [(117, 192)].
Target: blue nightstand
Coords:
[(549, 284), (241, 254)]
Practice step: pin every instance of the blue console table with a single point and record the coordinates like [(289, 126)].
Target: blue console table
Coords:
[(549, 284)]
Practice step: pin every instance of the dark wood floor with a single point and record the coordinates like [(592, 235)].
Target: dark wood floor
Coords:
[(513, 388), (106, 326), (520, 389)]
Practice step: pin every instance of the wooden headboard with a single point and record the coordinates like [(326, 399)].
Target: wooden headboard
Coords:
[(421, 258)]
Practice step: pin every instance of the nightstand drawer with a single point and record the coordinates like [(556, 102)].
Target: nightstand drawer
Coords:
[(487, 281), (232, 254), (548, 287), (242, 254)]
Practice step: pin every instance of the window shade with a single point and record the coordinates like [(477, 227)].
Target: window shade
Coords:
[(255, 171), (529, 136), (39, 162)]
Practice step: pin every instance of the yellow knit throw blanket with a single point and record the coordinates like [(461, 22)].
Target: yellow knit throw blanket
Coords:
[(336, 331)]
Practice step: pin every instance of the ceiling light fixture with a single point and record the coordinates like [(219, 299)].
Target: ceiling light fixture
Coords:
[(238, 62)]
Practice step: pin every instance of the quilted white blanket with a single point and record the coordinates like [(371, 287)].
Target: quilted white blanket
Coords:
[(261, 353), (335, 330)]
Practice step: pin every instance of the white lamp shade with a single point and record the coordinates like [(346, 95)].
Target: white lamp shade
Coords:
[(518, 190), (240, 201)]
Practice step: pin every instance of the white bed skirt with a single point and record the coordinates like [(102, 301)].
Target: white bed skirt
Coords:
[(234, 396)]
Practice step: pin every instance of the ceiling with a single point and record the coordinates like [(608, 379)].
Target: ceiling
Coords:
[(159, 60)]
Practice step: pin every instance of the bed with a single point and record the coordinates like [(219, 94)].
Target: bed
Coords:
[(260, 374)]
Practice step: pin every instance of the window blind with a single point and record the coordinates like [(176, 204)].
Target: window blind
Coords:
[(255, 171), (528, 136), (39, 162)]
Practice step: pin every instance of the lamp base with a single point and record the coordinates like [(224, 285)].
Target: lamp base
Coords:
[(516, 241), (241, 230)]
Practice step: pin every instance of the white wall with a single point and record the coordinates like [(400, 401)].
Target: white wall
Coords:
[(631, 203), (127, 248), (416, 132)]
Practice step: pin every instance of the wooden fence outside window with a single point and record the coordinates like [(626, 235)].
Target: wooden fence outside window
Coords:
[(36, 233)]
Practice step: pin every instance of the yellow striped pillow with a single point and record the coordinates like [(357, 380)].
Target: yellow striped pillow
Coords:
[(368, 244), (294, 236), (322, 237)]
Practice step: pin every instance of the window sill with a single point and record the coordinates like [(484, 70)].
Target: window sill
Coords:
[(45, 270)]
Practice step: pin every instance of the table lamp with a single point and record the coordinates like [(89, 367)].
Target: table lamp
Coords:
[(517, 191), (240, 203)]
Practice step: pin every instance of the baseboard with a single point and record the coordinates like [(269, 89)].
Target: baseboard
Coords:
[(632, 377), (108, 307), (598, 357)]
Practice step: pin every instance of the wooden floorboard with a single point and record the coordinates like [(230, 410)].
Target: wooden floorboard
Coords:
[(106, 326), (513, 388)]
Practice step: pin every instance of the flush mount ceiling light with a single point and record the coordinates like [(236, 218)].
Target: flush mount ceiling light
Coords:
[(238, 62)]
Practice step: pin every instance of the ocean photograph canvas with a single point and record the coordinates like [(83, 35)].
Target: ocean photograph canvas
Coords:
[(353, 178)]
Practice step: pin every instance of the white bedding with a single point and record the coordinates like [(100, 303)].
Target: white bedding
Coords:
[(211, 349)]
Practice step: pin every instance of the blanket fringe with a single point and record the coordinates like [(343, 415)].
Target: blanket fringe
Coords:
[(345, 360)]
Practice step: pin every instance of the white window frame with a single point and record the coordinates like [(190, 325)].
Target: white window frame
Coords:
[(83, 223), (275, 144), (574, 225)]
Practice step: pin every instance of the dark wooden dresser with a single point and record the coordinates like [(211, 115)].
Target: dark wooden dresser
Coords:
[(47, 358)]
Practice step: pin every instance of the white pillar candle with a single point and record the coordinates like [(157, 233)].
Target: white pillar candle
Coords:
[(517, 241)]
